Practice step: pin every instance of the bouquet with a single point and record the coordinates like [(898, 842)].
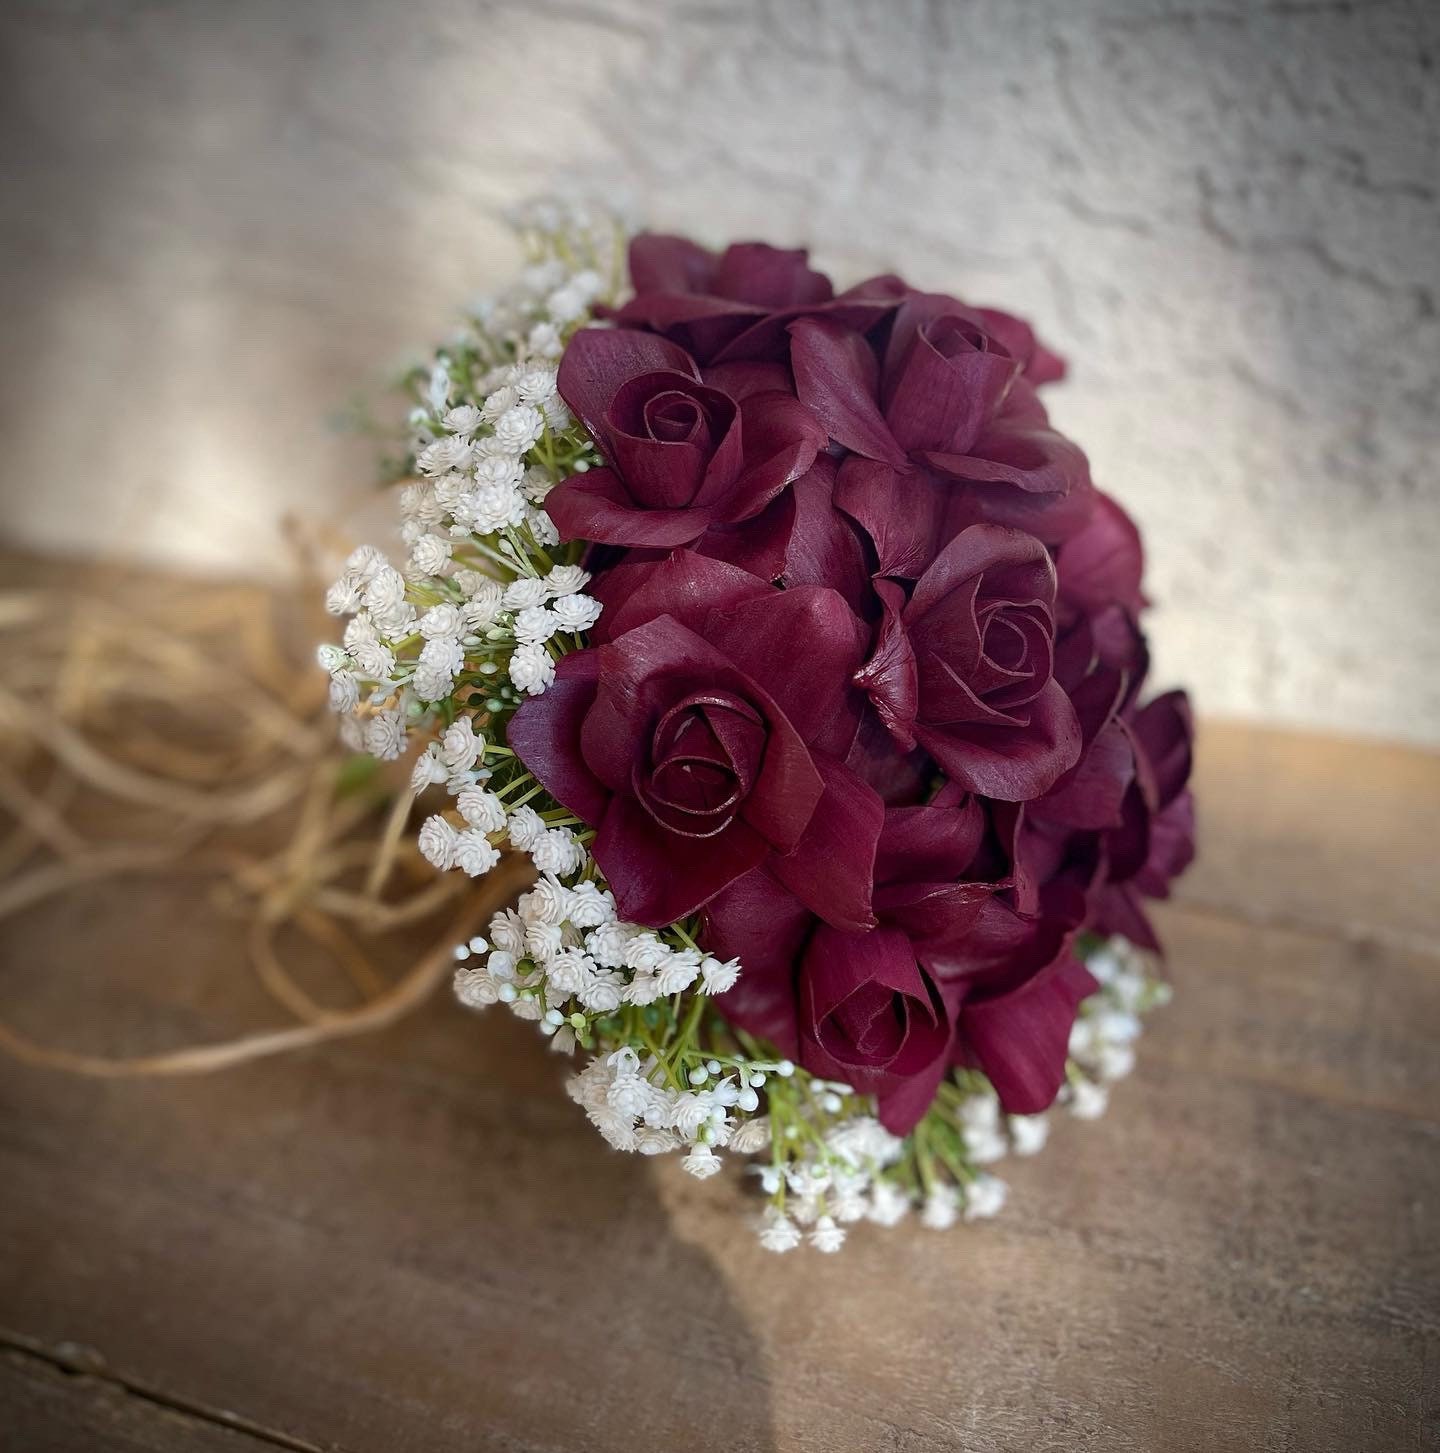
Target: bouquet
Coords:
[(800, 655)]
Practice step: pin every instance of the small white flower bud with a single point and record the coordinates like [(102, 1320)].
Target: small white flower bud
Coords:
[(531, 669), (475, 855), (481, 809), (576, 612), (437, 842), (702, 1163)]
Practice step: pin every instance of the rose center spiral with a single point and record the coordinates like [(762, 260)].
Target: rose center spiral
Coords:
[(705, 755)]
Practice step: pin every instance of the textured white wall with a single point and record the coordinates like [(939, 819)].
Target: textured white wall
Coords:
[(222, 220)]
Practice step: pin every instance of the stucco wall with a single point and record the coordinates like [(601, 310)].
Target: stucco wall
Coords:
[(222, 220)]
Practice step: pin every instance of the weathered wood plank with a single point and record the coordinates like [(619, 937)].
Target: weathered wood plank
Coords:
[(1340, 835), (44, 1409), (415, 1241)]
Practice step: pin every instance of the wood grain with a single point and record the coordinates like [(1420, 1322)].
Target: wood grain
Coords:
[(51, 1410), (414, 1242)]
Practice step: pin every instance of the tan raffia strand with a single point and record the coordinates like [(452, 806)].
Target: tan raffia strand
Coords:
[(94, 685)]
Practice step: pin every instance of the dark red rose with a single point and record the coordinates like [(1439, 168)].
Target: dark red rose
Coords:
[(1101, 660), (872, 1018), (999, 951), (1100, 566), (1155, 840), (964, 667), (944, 429), (733, 306), (688, 463), (855, 1007), (864, 1008), (951, 974), (705, 737), (1015, 1023)]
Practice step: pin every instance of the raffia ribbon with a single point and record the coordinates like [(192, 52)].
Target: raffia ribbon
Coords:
[(105, 658)]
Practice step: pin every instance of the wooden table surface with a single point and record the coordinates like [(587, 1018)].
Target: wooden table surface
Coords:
[(413, 1242)]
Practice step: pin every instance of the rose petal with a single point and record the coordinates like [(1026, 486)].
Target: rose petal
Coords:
[(824, 548), (597, 506), (759, 546), (801, 645), (934, 916), (836, 376), (1041, 365), (1015, 566), (781, 440), (597, 361), (686, 586), (1091, 796), (832, 869), (545, 734), (1166, 733), (890, 678), (745, 379), (1038, 461), (765, 926), (662, 264), (929, 844), (658, 877), (1120, 908), (770, 277), (1021, 1038), (902, 512), (862, 308), (1102, 564), (1010, 765)]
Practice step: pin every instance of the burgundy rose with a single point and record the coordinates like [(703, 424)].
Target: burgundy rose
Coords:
[(1000, 954), (951, 974), (872, 1018), (734, 306), (1014, 1024), (1155, 840), (862, 1007), (944, 428), (964, 668), (705, 737), (1101, 660), (688, 463), (1101, 564)]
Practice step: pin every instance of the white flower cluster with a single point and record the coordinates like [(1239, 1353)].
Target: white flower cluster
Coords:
[(410, 645), (1102, 1042), (560, 956), (832, 1182), (637, 1104), (848, 1177), (485, 604)]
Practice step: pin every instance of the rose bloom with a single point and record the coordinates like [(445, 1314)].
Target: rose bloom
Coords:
[(964, 667), (943, 426), (705, 736), (734, 306), (950, 975), (687, 462), (1155, 840)]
